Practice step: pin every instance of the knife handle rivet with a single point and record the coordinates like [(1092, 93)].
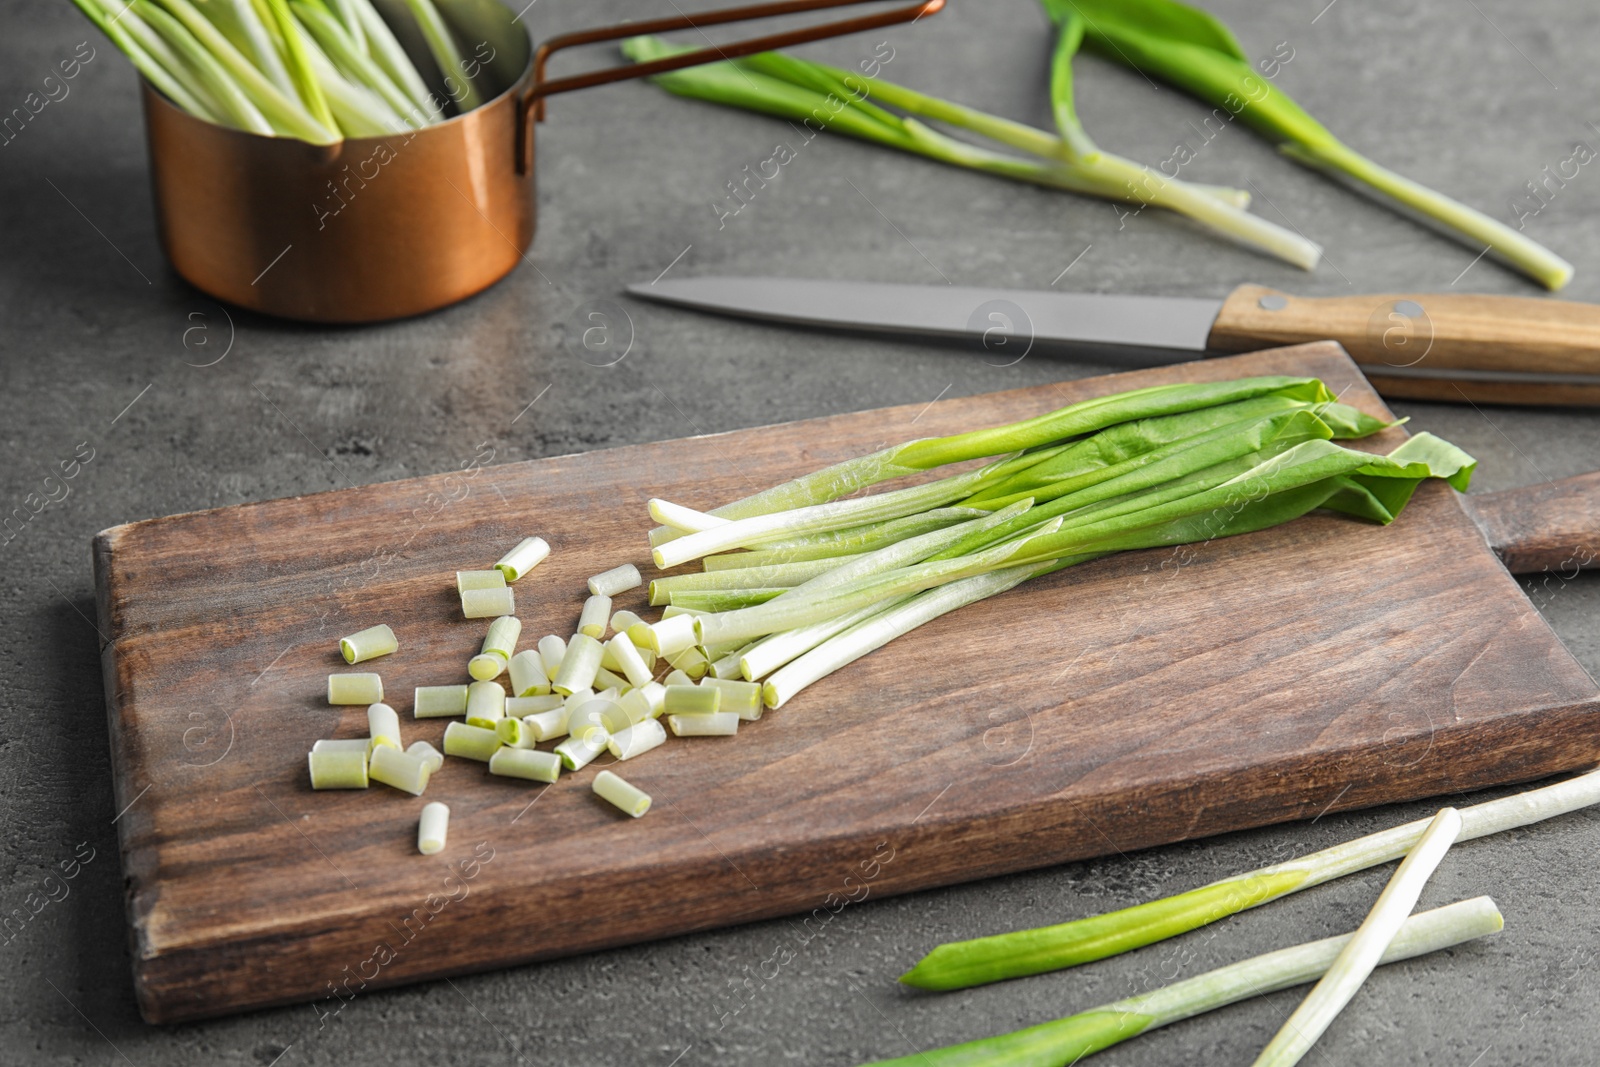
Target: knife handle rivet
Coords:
[(1273, 302)]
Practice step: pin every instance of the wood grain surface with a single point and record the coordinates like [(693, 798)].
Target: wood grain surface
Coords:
[(1478, 335), (1553, 526), (1145, 698)]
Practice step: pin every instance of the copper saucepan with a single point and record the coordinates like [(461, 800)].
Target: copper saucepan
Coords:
[(381, 228)]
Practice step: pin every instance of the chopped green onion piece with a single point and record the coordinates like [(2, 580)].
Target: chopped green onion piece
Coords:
[(427, 754), (338, 768), (693, 700), (1366, 948), (629, 798), (628, 660), (1066, 1041), (501, 640), (578, 752), (342, 744), (691, 661), (432, 828), (528, 763), (367, 644), (439, 701), (514, 733), (549, 724), (675, 677), (596, 611), (395, 768), (552, 650), (600, 712), (673, 634), (470, 742), (383, 727), (636, 705), (623, 621), (492, 579), (616, 580), (486, 701), (529, 553), (741, 698), (484, 667), (488, 603), (717, 724), (522, 707), (363, 687), (527, 674), (960, 964), (609, 679), (637, 739), (579, 665)]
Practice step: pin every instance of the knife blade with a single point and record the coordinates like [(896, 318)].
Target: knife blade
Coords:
[(1441, 346)]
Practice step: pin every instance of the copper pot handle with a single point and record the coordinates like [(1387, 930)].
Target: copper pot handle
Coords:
[(530, 108)]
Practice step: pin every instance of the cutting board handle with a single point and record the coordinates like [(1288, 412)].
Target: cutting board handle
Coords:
[(1551, 527), (1434, 346)]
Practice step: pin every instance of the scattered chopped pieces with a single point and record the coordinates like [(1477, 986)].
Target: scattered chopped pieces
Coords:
[(616, 580), (466, 580), (528, 554), (488, 603), (399, 769), (470, 742), (486, 703), (693, 700), (637, 739), (356, 688), (439, 701), (578, 752), (428, 754), (383, 727), (338, 768), (629, 798), (367, 644), (717, 724), (596, 613), (432, 828), (526, 763), (528, 678), (578, 666)]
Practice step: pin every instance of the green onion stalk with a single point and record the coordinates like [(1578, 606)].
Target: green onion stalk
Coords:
[(779, 84), (1066, 1041), (1193, 50), (812, 574), (313, 70)]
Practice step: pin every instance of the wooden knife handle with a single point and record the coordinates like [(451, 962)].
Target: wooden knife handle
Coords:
[(1553, 526), (1420, 339)]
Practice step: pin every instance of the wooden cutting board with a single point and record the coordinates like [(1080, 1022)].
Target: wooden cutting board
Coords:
[(1151, 697)]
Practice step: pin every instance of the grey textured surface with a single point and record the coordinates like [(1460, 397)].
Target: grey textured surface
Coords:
[(99, 340)]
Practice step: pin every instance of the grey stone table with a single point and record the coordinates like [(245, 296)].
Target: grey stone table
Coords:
[(104, 354)]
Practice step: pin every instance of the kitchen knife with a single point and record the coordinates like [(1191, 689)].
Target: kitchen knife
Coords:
[(1437, 346)]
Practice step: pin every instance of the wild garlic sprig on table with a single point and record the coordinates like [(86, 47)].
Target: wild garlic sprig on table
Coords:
[(313, 70), (842, 101), (1193, 50)]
